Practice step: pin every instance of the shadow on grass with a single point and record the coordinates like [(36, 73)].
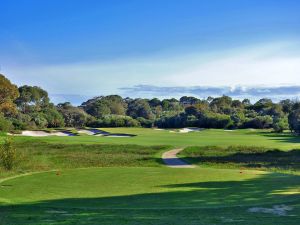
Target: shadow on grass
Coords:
[(274, 159), (185, 203), (281, 137)]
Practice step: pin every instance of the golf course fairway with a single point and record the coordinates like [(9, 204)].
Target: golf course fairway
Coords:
[(241, 177), (149, 196)]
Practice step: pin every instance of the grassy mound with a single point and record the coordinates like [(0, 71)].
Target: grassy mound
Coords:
[(35, 155)]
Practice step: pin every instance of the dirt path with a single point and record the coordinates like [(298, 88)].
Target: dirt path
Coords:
[(171, 160)]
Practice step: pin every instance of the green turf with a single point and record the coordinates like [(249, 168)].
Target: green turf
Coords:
[(285, 141), (148, 196), (133, 187)]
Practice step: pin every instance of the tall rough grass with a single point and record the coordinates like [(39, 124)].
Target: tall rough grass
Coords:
[(42, 156), (243, 156), (7, 154)]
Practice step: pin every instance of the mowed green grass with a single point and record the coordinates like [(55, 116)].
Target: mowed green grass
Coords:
[(212, 137), (124, 182), (149, 196)]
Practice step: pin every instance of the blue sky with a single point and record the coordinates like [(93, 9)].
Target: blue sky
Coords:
[(79, 49)]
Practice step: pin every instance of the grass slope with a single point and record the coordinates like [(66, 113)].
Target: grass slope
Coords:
[(148, 196), (36, 155)]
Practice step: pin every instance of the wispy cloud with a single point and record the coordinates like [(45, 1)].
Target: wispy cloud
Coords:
[(273, 64), (275, 93)]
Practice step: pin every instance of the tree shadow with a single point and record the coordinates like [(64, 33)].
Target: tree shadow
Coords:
[(184, 203), (274, 159), (174, 162), (281, 137)]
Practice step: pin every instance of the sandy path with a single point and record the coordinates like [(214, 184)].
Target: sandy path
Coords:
[(171, 160)]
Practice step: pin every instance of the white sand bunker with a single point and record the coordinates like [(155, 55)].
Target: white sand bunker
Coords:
[(279, 210), (36, 133), (191, 129), (94, 132), (88, 132), (61, 134), (40, 133), (187, 130)]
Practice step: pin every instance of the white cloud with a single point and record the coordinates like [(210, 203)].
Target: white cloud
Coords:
[(270, 64), (260, 65)]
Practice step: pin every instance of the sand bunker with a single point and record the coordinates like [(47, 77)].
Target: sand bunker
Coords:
[(35, 133), (94, 132), (40, 133), (87, 132), (62, 133), (187, 130)]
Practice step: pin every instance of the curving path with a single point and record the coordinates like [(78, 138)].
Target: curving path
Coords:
[(171, 160)]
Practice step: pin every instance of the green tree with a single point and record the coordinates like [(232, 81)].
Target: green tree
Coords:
[(73, 116), (140, 108), (281, 124), (5, 125), (8, 93), (32, 99), (238, 118), (260, 122), (191, 110), (287, 105), (53, 117), (221, 104), (294, 121), (105, 105)]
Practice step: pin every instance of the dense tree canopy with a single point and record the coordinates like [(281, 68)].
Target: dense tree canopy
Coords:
[(73, 116), (32, 99), (294, 120), (105, 105), (8, 93), (29, 107), (139, 108)]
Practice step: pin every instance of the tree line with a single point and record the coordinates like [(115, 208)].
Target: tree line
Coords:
[(29, 107)]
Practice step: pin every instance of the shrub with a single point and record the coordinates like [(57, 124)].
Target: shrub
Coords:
[(114, 121), (7, 154), (5, 125), (53, 117), (215, 120), (280, 125), (259, 122), (145, 122)]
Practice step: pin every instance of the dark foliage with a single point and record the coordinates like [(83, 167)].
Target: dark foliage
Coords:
[(29, 107)]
